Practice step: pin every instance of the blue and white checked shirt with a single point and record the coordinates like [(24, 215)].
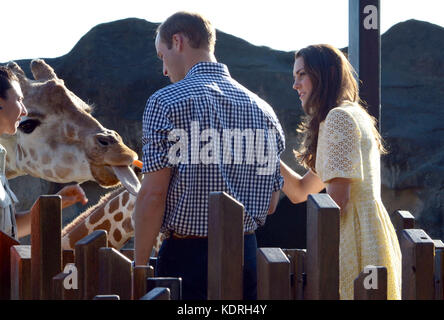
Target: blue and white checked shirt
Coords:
[(216, 135)]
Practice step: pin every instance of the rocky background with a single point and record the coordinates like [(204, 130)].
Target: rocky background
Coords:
[(115, 68)]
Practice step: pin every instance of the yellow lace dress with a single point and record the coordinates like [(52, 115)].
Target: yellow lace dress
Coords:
[(347, 149)]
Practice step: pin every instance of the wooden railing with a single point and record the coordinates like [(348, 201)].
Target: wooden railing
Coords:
[(94, 271)]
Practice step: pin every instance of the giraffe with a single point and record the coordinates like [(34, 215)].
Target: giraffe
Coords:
[(112, 213), (62, 142)]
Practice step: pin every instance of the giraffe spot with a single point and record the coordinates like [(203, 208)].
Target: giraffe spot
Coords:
[(69, 158), (70, 131), (125, 198), (46, 159), (114, 205), (96, 216), (118, 216), (7, 159), (117, 235), (33, 154), (131, 207), (77, 234), (106, 225), (62, 172), (48, 173), (126, 225), (25, 155)]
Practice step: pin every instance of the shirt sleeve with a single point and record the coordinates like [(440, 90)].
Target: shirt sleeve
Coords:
[(278, 178), (340, 141), (155, 130)]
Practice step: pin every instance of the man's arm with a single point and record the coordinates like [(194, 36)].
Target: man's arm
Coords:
[(149, 211)]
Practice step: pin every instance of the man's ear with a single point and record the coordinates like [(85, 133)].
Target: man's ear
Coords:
[(178, 41)]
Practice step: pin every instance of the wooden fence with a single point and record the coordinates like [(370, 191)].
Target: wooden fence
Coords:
[(94, 271)]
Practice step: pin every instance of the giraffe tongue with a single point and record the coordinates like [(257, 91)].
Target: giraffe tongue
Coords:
[(128, 178)]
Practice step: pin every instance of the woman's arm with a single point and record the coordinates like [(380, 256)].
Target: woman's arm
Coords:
[(71, 194), (339, 190), (297, 188)]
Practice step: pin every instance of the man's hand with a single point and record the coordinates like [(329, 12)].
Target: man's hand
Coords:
[(72, 194)]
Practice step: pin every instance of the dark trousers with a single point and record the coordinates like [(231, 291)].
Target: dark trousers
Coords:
[(188, 259)]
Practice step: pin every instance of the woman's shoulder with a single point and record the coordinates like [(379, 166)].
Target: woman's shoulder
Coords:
[(344, 112)]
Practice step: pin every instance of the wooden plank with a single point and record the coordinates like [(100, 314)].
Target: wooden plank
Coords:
[(140, 275), (21, 272), (322, 248), (46, 249), (371, 284), (273, 274), (439, 270), (67, 257), (65, 284), (106, 297), (401, 220), (6, 242), (114, 273), (225, 239), (87, 263), (297, 272), (364, 51), (417, 265), (159, 293), (173, 284), (128, 252)]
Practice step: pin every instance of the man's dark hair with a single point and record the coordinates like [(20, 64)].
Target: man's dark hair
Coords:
[(198, 30), (6, 77)]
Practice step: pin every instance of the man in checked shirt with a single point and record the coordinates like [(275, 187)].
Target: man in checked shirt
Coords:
[(203, 101)]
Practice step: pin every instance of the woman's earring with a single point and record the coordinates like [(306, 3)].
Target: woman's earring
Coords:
[(1, 107)]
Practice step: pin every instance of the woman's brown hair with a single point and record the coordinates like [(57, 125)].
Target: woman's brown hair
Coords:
[(333, 83)]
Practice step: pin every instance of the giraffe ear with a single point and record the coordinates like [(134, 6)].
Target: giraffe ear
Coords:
[(14, 67), (41, 70)]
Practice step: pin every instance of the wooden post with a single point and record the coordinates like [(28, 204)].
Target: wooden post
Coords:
[(46, 249), (417, 265), (322, 248), (159, 293), (140, 275), (68, 257), (402, 220), (128, 252), (439, 270), (106, 297), (21, 272), (273, 274), (225, 247), (297, 272), (87, 263), (68, 290), (364, 51), (115, 273), (371, 284), (6, 243), (173, 284)]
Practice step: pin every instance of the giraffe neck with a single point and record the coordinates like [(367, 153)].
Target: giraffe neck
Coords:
[(112, 213)]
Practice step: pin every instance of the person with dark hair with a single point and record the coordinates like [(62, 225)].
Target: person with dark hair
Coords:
[(12, 110), (203, 101), (342, 148)]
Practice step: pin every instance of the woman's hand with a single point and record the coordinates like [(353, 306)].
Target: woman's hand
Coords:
[(297, 188), (72, 194)]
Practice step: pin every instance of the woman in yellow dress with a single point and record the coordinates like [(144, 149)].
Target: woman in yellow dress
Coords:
[(341, 149)]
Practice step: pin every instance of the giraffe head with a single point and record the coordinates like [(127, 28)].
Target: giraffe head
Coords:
[(60, 140)]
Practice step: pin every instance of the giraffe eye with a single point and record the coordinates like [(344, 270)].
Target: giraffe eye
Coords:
[(29, 125)]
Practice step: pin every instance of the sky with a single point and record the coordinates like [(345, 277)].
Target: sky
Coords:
[(51, 28)]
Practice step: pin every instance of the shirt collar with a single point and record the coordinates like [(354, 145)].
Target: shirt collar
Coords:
[(208, 67)]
